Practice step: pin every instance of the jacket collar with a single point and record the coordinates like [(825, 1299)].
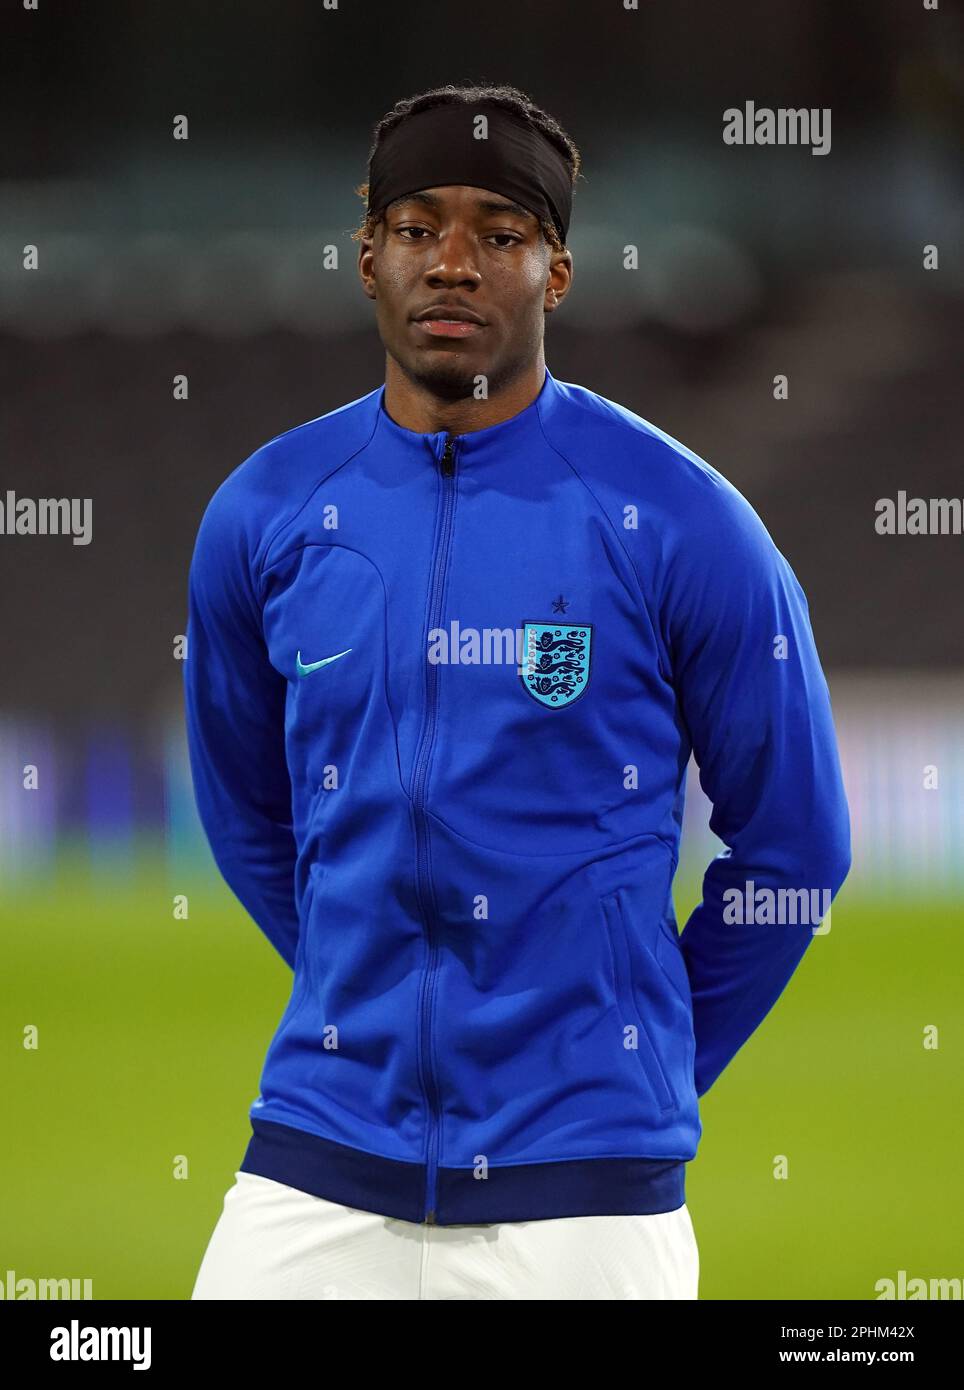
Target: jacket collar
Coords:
[(475, 445)]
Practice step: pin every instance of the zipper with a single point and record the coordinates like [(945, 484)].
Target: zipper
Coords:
[(422, 761)]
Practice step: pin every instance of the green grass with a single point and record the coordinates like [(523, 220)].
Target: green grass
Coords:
[(152, 1032)]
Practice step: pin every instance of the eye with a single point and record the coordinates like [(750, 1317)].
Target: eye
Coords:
[(402, 230), (512, 240)]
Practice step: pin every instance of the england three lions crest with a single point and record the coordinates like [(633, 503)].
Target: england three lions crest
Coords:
[(555, 662)]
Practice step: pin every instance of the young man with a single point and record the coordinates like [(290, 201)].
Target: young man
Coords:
[(450, 648)]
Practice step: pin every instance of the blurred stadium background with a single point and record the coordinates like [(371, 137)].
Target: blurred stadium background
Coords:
[(211, 257)]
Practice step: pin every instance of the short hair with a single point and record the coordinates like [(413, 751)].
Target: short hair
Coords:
[(452, 94)]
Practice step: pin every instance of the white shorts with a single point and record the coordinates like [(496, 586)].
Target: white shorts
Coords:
[(275, 1242)]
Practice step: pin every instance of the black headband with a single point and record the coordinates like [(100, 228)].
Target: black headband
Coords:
[(438, 146)]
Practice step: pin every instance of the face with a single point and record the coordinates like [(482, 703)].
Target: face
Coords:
[(462, 279)]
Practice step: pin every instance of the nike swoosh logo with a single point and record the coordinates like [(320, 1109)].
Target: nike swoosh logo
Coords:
[(314, 665)]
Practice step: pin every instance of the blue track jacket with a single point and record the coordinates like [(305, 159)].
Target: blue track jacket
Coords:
[(441, 693)]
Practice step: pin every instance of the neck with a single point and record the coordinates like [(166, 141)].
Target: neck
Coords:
[(415, 407)]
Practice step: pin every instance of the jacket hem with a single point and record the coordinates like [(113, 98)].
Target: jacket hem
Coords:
[(514, 1192)]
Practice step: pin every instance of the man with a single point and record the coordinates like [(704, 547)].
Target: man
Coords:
[(450, 649)]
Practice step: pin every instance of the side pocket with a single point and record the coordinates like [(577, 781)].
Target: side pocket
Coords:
[(621, 957)]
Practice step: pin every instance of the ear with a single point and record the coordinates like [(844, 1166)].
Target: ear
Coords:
[(366, 267)]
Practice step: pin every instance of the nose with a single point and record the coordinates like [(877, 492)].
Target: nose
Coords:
[(454, 261)]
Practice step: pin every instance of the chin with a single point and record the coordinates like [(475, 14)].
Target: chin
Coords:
[(445, 375)]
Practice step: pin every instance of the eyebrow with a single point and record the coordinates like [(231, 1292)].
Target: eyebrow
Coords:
[(482, 204)]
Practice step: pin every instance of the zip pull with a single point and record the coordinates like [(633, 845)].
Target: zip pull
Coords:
[(447, 462)]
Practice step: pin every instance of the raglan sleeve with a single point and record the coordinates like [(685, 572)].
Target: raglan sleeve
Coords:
[(755, 702), (235, 718)]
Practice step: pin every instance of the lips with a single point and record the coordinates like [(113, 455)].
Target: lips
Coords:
[(449, 328), (449, 321), (459, 312)]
